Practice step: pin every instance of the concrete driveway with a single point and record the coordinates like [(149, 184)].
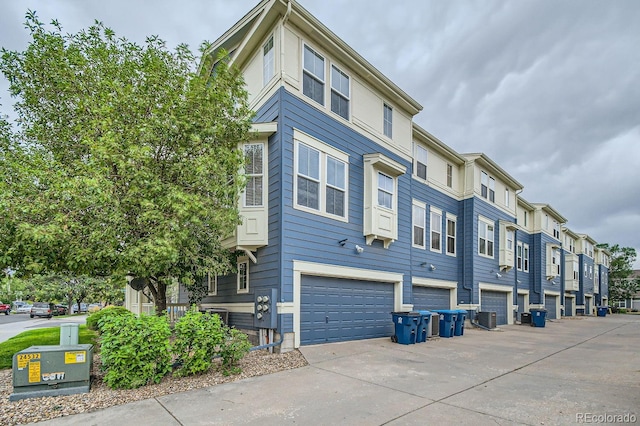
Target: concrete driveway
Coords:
[(574, 369)]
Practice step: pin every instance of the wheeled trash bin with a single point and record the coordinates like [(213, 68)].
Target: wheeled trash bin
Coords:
[(405, 327), (423, 326), (538, 317), (447, 322)]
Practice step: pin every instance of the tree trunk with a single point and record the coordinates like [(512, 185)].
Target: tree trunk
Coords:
[(159, 293)]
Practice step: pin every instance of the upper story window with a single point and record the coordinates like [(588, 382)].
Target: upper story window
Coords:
[(525, 257), (510, 236), (421, 161), (419, 217), (590, 271), (243, 276), (546, 222), (339, 92), (313, 75), (519, 256), (487, 187), (507, 197), (321, 178), (576, 270), (451, 235), (436, 230), (387, 121), (268, 64), (449, 175), (254, 155), (385, 190), (485, 238), (526, 218), (585, 269), (556, 230)]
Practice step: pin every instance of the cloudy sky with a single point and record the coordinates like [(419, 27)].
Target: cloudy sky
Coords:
[(549, 89)]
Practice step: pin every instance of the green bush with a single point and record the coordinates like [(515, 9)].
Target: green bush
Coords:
[(135, 351), (94, 319), (197, 338), (622, 311), (233, 349)]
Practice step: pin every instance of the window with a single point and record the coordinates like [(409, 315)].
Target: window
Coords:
[(212, 284), (519, 256), (576, 270), (507, 197), (436, 230), (267, 61), (510, 236), (243, 276), (308, 194), (388, 121), (556, 230), (451, 235), (339, 92), (492, 189), (526, 218), (385, 190), (546, 222), (525, 255), (590, 271), (421, 162), (253, 154), (419, 216), (321, 178), (449, 175), (487, 187), (555, 261), (585, 269), (313, 75), (485, 238)]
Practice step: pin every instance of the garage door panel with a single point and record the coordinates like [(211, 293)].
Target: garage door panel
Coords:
[(568, 306), (425, 298), (550, 306), (495, 301), (334, 309)]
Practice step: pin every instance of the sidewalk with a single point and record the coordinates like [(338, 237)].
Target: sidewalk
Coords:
[(519, 375)]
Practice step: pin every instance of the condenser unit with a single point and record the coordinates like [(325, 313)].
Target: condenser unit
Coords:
[(487, 319)]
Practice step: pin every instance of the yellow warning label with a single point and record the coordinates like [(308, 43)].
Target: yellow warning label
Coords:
[(76, 357), (34, 372), (23, 359)]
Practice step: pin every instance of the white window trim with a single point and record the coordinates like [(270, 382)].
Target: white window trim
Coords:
[(272, 71), (449, 177), (423, 206), (519, 256), (433, 211), (331, 89), (418, 147), (324, 79), (325, 150), (215, 285), (454, 219), (525, 257), (242, 261), (264, 165), (386, 106), (488, 222)]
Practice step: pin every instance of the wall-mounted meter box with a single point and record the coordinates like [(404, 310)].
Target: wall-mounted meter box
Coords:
[(265, 309), (51, 371)]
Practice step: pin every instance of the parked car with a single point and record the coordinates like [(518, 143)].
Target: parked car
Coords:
[(5, 308), (74, 308), (24, 309), (94, 307), (60, 310), (42, 309)]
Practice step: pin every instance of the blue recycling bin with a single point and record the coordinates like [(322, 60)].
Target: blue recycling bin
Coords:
[(447, 322), (538, 317), (460, 319), (602, 311), (423, 326), (406, 327)]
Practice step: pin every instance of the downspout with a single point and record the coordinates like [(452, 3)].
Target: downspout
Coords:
[(465, 286), (284, 21)]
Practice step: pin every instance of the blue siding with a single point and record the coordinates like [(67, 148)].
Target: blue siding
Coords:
[(525, 277)]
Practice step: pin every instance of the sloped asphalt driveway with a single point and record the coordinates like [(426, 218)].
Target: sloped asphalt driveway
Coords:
[(582, 370)]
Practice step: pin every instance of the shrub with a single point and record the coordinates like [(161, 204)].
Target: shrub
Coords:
[(197, 338), (235, 346), (622, 310), (135, 351), (94, 320)]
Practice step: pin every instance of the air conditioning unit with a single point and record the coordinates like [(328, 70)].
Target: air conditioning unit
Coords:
[(487, 319)]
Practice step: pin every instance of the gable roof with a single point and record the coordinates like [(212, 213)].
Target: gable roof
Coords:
[(242, 39), (487, 163)]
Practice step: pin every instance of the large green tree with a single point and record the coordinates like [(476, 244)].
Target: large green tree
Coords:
[(622, 285), (124, 160)]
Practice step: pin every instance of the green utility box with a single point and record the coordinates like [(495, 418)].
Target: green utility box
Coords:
[(51, 371)]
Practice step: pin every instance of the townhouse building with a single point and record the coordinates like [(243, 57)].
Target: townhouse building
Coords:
[(353, 211)]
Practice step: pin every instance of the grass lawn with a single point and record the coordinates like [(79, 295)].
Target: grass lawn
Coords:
[(39, 337)]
